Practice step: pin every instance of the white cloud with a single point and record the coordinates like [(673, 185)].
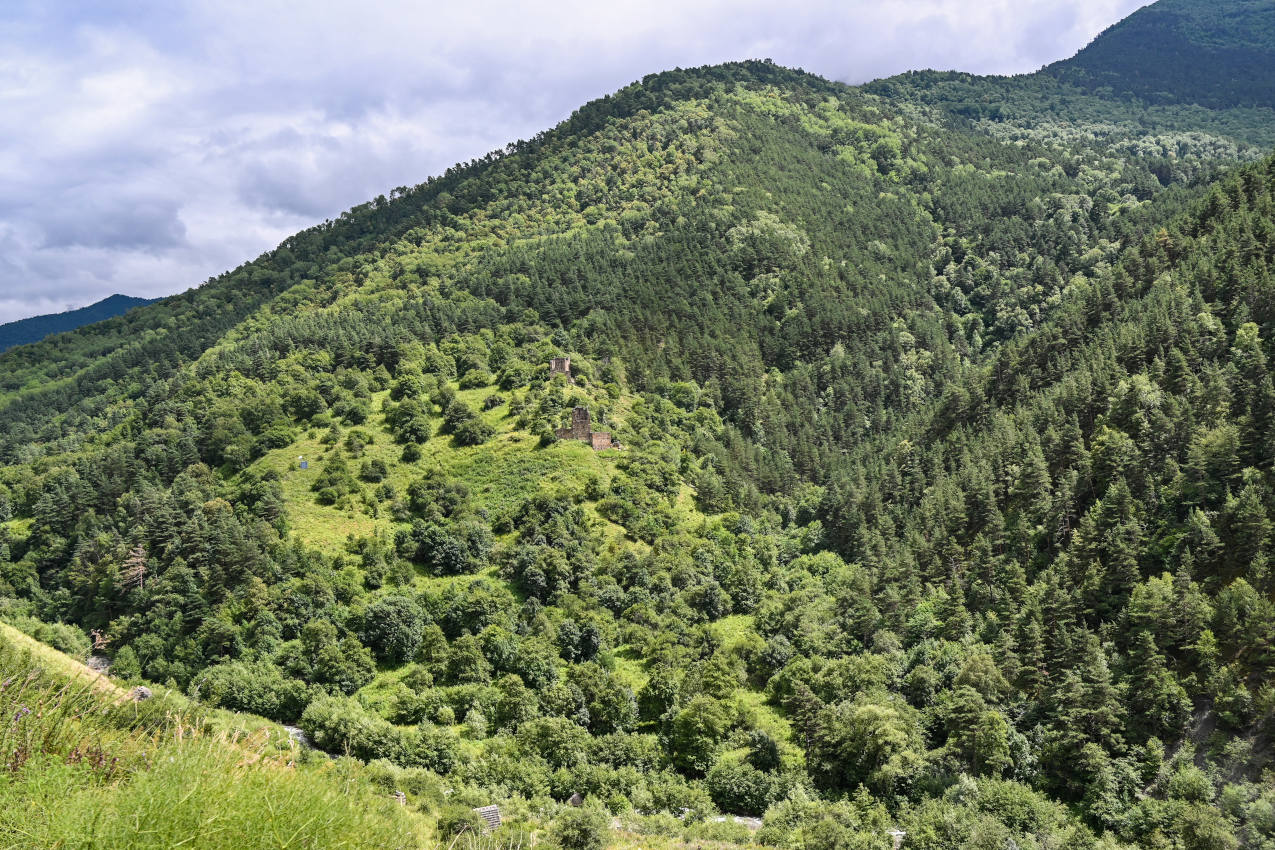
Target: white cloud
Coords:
[(152, 145)]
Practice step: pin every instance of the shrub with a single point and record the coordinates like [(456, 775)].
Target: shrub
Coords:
[(473, 432), (256, 688), (474, 379), (517, 373), (408, 422), (374, 471), (739, 787), (60, 636), (584, 828), (124, 665), (455, 820), (392, 628)]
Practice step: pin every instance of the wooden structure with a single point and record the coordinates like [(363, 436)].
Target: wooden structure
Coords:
[(490, 816)]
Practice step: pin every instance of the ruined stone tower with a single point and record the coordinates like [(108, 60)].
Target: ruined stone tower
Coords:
[(580, 428)]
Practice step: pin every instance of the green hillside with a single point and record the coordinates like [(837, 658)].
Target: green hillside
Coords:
[(1214, 54), (941, 496), (1182, 86)]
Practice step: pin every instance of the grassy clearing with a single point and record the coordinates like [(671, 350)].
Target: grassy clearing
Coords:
[(500, 474), (628, 668)]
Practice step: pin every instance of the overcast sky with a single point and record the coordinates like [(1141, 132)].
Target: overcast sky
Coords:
[(151, 145)]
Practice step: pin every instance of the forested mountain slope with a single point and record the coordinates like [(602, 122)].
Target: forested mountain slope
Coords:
[(1181, 85), (943, 497), (1205, 52), (36, 328)]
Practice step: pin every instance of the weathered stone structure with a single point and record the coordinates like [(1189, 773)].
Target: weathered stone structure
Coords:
[(560, 366), (581, 428)]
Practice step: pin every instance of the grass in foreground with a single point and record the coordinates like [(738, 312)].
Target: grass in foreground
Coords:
[(81, 768)]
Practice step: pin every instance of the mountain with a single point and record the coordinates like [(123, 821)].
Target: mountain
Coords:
[(1178, 84), (1214, 54), (936, 492), (36, 328)]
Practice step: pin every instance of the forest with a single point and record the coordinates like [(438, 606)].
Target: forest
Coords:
[(943, 500)]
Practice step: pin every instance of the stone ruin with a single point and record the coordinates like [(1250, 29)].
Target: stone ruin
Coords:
[(561, 366), (581, 428)]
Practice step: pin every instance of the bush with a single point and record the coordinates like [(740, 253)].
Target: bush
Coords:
[(408, 422), (374, 471), (743, 789), (60, 636), (584, 828), (473, 432), (392, 628), (517, 373), (351, 411), (474, 379), (342, 725), (457, 820), (454, 414), (255, 688), (124, 665), (409, 385)]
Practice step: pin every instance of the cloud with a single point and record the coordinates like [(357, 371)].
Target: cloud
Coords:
[(151, 145)]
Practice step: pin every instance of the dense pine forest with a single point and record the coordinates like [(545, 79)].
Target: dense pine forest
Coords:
[(942, 498)]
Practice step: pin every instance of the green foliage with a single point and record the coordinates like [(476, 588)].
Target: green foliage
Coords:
[(259, 688), (61, 636), (87, 764), (583, 828), (393, 628), (868, 741), (408, 422), (459, 820), (945, 497)]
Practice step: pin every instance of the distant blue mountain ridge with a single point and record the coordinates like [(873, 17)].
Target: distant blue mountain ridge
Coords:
[(36, 328)]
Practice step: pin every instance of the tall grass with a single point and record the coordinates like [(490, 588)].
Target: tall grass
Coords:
[(81, 768)]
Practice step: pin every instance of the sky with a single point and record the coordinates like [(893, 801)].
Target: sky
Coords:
[(148, 146)]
